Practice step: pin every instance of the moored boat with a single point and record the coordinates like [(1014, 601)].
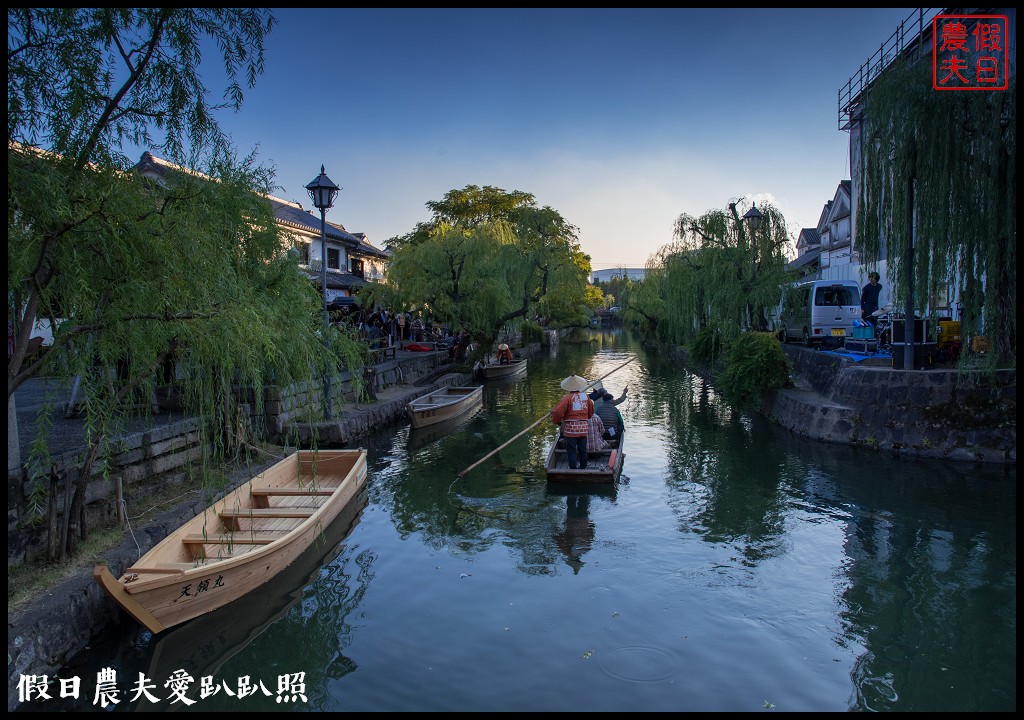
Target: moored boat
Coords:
[(493, 371), (603, 466), (444, 404), (241, 541)]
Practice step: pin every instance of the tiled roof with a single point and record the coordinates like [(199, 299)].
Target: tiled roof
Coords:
[(368, 248), (337, 280), (292, 214), (811, 235), (806, 259)]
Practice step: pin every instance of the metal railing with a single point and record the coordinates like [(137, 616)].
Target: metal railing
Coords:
[(910, 36)]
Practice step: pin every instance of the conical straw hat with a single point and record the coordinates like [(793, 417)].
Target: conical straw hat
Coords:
[(574, 383)]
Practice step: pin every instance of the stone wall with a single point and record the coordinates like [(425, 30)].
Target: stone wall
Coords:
[(940, 413), (164, 454)]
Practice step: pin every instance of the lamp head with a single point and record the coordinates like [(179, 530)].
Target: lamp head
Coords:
[(322, 191)]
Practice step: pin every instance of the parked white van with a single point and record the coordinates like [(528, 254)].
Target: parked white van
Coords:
[(819, 311)]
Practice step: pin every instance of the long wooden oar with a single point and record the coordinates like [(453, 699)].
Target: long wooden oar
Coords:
[(544, 417)]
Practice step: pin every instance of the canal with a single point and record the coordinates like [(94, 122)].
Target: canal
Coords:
[(735, 568)]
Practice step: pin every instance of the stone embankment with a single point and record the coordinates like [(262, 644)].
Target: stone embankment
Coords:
[(938, 413)]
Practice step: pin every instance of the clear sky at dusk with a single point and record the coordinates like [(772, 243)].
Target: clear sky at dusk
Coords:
[(619, 119)]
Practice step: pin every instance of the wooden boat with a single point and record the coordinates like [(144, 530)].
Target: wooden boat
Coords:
[(241, 541), (443, 404), (494, 371), (201, 647), (603, 466)]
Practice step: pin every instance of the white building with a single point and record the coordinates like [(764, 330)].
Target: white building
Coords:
[(619, 272)]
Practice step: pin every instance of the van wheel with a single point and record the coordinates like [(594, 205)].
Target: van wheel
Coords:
[(807, 338)]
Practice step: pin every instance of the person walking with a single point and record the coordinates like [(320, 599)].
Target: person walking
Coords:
[(572, 414)]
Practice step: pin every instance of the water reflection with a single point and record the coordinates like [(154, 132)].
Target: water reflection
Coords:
[(739, 564), (576, 535), (930, 601)]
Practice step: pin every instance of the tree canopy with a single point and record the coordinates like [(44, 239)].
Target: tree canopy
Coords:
[(488, 258), (188, 275), (717, 273), (940, 176)]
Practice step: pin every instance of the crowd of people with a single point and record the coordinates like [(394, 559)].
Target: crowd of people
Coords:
[(383, 327)]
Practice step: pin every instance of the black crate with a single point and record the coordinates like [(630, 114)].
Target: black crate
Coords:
[(924, 355), (860, 346), (899, 327)]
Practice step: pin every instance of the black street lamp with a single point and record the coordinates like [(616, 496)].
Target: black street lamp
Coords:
[(322, 192), (753, 218)]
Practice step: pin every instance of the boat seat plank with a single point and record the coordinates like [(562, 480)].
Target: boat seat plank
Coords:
[(261, 497), (233, 539), (295, 492), (231, 518), (274, 512), (267, 525)]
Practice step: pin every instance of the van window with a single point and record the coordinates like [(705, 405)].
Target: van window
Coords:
[(835, 296)]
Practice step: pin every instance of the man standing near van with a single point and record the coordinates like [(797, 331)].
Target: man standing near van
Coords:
[(869, 298)]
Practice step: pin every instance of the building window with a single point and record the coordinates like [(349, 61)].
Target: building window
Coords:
[(303, 249), (333, 259), (357, 268)]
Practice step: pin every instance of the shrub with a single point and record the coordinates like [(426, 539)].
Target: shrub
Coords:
[(532, 333), (706, 348), (755, 366)]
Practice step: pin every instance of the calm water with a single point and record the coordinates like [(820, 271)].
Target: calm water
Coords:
[(736, 568)]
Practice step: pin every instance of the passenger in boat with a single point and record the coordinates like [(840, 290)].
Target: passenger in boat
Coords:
[(504, 354), (596, 434), (572, 413), (614, 400), (604, 406)]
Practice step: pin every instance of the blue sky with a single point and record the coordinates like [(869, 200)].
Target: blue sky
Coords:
[(619, 119)]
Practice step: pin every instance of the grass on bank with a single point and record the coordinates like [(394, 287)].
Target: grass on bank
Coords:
[(28, 581)]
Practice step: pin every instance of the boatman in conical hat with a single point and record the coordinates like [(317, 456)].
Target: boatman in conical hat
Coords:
[(573, 414), (504, 354)]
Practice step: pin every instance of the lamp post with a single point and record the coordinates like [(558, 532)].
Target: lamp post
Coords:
[(322, 192), (752, 219)]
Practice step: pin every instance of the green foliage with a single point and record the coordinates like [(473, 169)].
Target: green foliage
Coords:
[(531, 333), (755, 366), (717, 273), (187, 273), (706, 348), (82, 81), (489, 258), (959, 149)]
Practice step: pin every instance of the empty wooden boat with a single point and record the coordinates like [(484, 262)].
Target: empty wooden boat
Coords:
[(446, 403), (241, 541), (603, 466)]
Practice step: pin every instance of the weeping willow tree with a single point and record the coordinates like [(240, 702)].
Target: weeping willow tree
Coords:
[(143, 283), (938, 197), (717, 273), (490, 258)]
